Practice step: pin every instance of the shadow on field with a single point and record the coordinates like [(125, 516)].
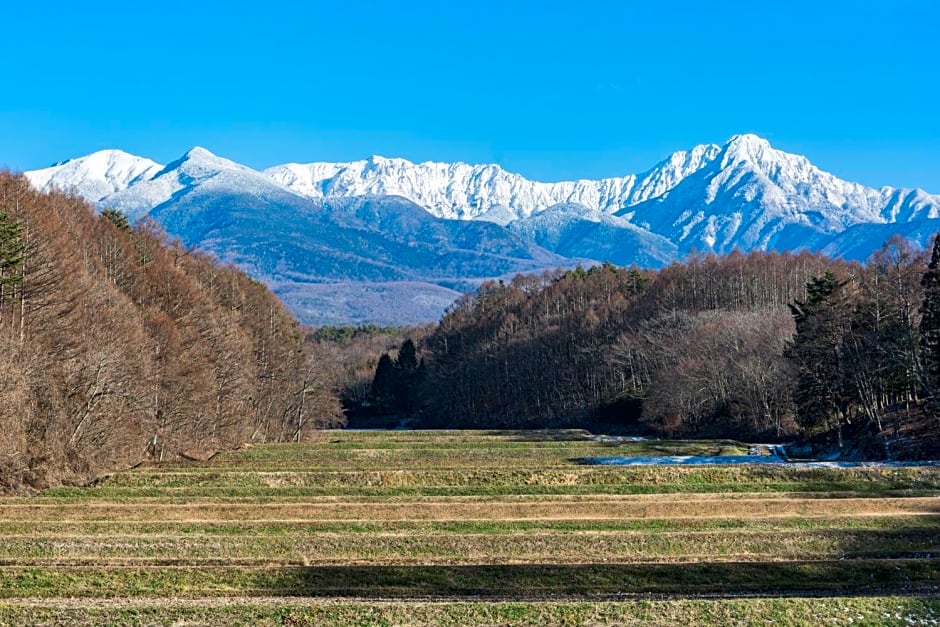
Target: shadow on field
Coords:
[(544, 435), (857, 577)]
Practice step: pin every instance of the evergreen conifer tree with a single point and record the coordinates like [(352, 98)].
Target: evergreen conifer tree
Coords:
[(930, 324), (822, 392), (409, 370), (12, 257), (117, 218), (384, 383), (407, 360)]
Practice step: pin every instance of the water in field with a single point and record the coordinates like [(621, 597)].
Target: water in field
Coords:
[(758, 454), (740, 459), (763, 454)]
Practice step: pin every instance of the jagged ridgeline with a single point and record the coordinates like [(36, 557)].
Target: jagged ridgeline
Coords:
[(121, 346)]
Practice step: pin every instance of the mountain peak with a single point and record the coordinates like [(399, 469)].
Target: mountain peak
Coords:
[(387, 162), (198, 153), (200, 162), (95, 175), (747, 139), (757, 151), (747, 144), (107, 154)]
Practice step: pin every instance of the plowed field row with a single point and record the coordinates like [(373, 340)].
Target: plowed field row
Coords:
[(464, 527)]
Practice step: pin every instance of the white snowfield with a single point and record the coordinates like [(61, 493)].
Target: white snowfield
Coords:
[(95, 176), (466, 192), (743, 194)]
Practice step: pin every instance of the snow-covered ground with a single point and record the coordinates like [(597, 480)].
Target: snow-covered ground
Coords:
[(688, 460)]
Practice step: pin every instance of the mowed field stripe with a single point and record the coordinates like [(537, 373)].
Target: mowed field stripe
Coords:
[(482, 526), (567, 547), (359, 519), (496, 510)]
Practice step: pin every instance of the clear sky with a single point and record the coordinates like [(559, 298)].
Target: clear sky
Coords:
[(552, 89)]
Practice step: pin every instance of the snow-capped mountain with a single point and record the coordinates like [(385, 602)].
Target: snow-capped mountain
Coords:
[(337, 260), (95, 176), (387, 233), (751, 196), (466, 192), (197, 170)]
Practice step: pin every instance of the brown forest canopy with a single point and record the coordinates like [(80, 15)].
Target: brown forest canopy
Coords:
[(712, 346), (121, 346)]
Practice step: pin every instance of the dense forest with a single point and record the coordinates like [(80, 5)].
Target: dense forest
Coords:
[(121, 346), (758, 346)]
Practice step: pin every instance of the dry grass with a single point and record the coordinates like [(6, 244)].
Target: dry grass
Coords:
[(470, 515), (444, 549), (300, 612), (446, 509)]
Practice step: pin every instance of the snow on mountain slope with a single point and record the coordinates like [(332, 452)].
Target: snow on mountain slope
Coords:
[(197, 169), (753, 196), (462, 191), (905, 205), (577, 231), (859, 241), (743, 194), (96, 175)]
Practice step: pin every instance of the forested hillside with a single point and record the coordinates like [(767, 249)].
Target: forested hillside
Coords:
[(763, 345), (121, 346)]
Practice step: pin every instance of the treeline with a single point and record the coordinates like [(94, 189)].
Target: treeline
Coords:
[(757, 346), (120, 346)]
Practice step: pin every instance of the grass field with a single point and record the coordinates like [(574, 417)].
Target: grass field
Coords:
[(460, 527)]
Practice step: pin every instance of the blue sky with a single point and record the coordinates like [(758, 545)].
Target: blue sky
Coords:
[(554, 90)]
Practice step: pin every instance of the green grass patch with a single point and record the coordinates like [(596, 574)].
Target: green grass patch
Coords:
[(888, 611), (483, 527), (315, 532)]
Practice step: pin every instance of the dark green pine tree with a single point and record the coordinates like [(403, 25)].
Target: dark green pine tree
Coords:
[(12, 257), (117, 218), (396, 384), (636, 282), (407, 360), (384, 384), (930, 325), (822, 392), (409, 371)]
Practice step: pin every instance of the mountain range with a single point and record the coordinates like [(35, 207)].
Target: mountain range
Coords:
[(394, 242)]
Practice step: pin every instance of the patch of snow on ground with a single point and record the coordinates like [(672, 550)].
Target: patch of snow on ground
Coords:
[(619, 438), (684, 460)]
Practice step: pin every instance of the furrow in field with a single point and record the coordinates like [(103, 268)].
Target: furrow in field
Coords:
[(497, 510)]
